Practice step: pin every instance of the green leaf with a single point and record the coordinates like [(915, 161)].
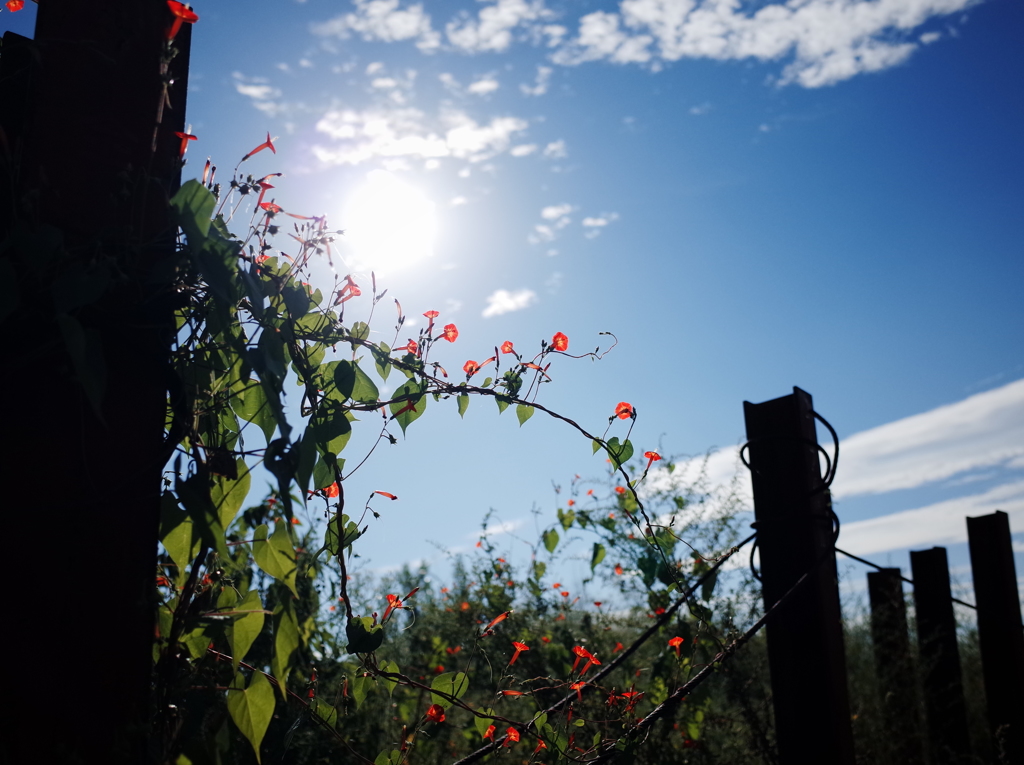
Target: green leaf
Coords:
[(361, 685), (566, 518), (409, 405), (286, 642), (244, 630), (252, 708), (394, 757), (503, 402), (228, 495), (382, 360), (324, 711), (619, 452), (194, 493), (392, 667), (364, 389), (451, 683), (596, 445), (360, 330), (597, 556), (275, 555), (539, 569), (539, 720), (550, 540), (296, 300), (176, 533), (463, 404), (524, 412), (193, 210), (363, 635), (481, 723), (251, 405), (351, 534)]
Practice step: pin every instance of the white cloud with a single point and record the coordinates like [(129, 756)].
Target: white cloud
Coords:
[(540, 85), (982, 431), (826, 40), (556, 150), (384, 82), (383, 20), (458, 201), (929, 37), (554, 212), (939, 524), (596, 224), (361, 135), (503, 301), (700, 109), (483, 86), (523, 150), (256, 88), (492, 29)]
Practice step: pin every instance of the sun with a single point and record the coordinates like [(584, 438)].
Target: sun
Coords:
[(389, 224)]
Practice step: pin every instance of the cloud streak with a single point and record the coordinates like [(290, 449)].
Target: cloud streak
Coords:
[(822, 42)]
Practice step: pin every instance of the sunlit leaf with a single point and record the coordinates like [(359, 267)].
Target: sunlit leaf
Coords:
[(463, 404), (409, 404), (551, 540), (275, 555), (252, 708), (523, 413), (451, 683), (244, 630), (286, 642)]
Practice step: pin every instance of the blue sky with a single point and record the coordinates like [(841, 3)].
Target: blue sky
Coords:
[(751, 196)]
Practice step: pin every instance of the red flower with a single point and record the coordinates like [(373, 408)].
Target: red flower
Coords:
[(348, 291), (512, 736), (497, 620), (577, 686), (581, 653), (15, 5), (490, 732), (185, 138), (556, 585), (387, 494), (450, 333), (618, 647), (560, 342), (431, 314), (182, 14), (591, 661), (652, 457), (565, 593), (435, 713), (332, 490), (506, 347), (271, 207), (545, 639), (411, 347), (620, 489), (520, 647), (471, 367), (598, 603), (540, 745), (618, 569), (571, 502), (394, 602), (659, 610), (510, 693), (268, 144), (675, 643), (439, 669), (296, 522), (624, 411)]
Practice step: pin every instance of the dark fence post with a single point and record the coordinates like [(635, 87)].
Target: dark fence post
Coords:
[(894, 667), (941, 679), (794, 530), (999, 631)]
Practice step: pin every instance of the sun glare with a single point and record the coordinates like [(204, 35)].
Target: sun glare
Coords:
[(389, 225)]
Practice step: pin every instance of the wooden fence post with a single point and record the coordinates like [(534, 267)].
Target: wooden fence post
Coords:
[(894, 667), (90, 260), (941, 679), (1000, 632), (805, 638)]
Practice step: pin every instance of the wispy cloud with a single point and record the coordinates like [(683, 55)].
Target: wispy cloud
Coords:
[(540, 84), (384, 20), (505, 301), (821, 41), (483, 86), (942, 523), (982, 431), (386, 131)]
